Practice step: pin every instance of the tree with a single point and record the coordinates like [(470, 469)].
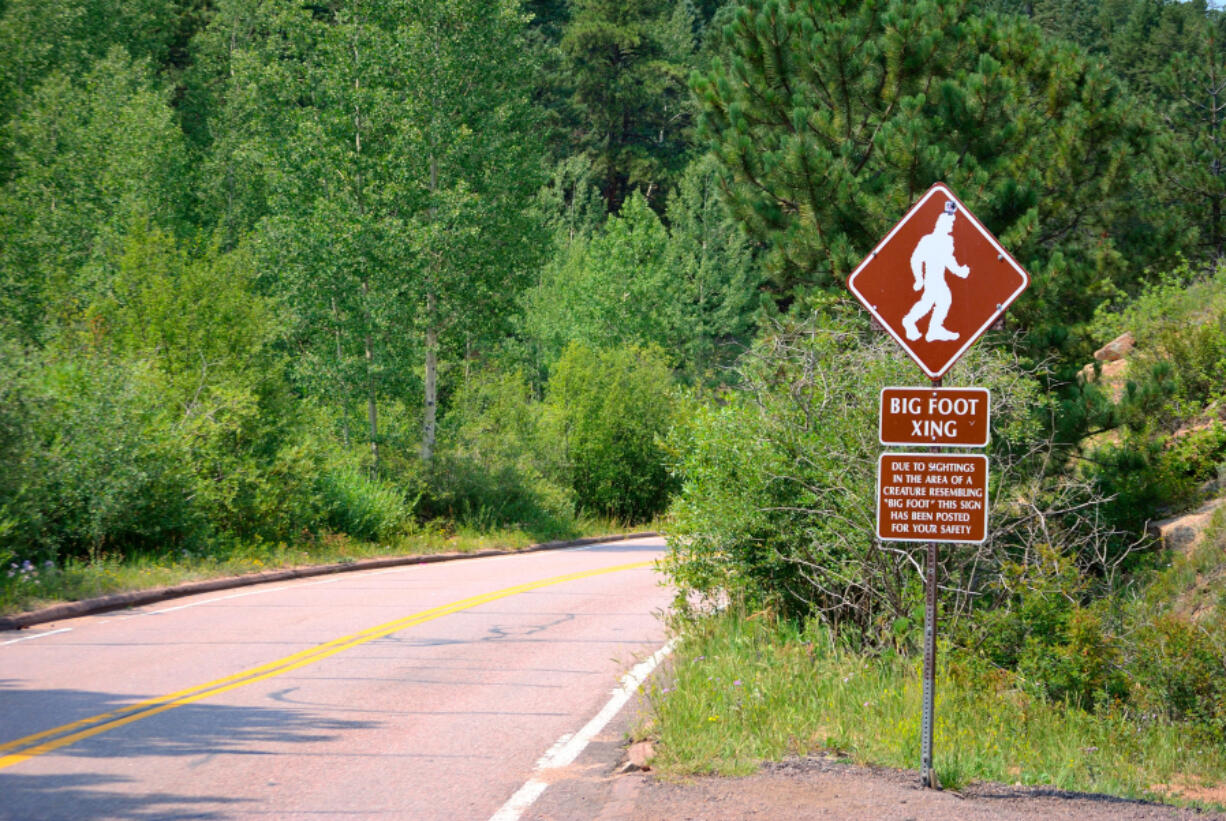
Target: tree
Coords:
[(1194, 82), (248, 80), (625, 65), (612, 288), (608, 411), (718, 269), (833, 116), (398, 219), (687, 288), (91, 158)]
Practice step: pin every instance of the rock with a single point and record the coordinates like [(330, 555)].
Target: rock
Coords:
[(1117, 348), (638, 757), (1113, 376), (1184, 532)]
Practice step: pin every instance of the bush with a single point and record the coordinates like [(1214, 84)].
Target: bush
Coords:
[(1166, 441), (490, 469), (363, 507), (778, 484), (92, 468), (1177, 672), (605, 413)]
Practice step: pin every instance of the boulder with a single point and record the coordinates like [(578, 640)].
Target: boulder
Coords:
[(1117, 348), (1184, 532)]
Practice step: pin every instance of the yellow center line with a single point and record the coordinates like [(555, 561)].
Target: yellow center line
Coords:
[(27, 747)]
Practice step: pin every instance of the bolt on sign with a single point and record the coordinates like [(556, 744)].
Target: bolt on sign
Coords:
[(932, 498), (938, 281), (933, 417)]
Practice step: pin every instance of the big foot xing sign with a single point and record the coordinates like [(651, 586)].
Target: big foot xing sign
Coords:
[(938, 281)]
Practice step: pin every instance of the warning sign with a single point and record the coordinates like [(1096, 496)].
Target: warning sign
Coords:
[(938, 281), (937, 498)]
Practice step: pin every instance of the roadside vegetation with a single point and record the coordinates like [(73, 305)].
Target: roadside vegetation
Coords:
[(29, 586), (749, 687), (294, 282)]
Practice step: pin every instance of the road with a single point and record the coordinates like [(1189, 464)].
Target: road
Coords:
[(427, 691)]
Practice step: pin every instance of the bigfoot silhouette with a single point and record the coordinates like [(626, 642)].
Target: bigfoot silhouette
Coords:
[(933, 254)]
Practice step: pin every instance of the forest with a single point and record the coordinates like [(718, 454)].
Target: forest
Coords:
[(299, 271)]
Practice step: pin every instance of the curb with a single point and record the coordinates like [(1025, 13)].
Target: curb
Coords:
[(136, 598)]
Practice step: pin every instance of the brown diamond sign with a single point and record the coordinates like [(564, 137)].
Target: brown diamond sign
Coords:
[(938, 281)]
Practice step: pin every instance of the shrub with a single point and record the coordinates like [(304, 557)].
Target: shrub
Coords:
[(361, 506), (778, 485), (605, 413), (1177, 671), (490, 469), (93, 467)]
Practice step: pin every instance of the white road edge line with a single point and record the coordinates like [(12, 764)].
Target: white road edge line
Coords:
[(36, 636), (567, 748)]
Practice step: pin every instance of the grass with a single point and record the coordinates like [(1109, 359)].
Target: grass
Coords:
[(743, 690), (27, 586)]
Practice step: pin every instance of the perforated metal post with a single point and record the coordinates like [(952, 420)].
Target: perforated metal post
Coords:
[(928, 775)]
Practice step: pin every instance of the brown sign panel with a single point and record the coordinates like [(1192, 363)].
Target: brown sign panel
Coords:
[(938, 281), (932, 497), (929, 417)]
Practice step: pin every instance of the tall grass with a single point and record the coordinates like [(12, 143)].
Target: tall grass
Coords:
[(745, 689)]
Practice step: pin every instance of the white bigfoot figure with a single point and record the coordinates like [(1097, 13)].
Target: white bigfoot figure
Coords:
[(933, 254)]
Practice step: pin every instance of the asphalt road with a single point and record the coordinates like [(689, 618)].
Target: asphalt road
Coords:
[(426, 691)]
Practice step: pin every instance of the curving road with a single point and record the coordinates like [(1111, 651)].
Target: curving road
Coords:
[(427, 691)]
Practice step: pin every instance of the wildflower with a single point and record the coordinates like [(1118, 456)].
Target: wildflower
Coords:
[(736, 683), (712, 718)]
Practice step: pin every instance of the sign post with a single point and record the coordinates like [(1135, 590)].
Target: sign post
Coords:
[(936, 283)]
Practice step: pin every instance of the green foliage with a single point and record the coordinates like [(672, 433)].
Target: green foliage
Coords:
[(778, 483), (718, 271), (833, 117), (92, 156), (626, 64), (1060, 650), (1177, 669), (492, 466), (690, 289), (1165, 441), (615, 288), (605, 412), (93, 470), (363, 507)]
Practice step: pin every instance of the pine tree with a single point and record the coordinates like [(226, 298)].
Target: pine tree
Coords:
[(625, 65), (833, 116)]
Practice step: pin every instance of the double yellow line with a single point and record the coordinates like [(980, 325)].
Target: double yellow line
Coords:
[(27, 747)]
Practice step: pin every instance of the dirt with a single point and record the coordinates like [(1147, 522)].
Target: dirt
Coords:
[(598, 786), (816, 788)]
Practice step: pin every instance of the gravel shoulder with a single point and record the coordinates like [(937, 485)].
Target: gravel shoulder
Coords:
[(597, 786)]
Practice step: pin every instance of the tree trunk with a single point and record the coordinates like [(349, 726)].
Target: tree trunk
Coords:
[(429, 418), (372, 409), (340, 375)]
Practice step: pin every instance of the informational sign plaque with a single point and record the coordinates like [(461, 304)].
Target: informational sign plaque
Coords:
[(932, 498), (933, 417)]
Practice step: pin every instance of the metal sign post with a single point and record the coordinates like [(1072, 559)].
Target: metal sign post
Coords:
[(928, 775), (936, 283)]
